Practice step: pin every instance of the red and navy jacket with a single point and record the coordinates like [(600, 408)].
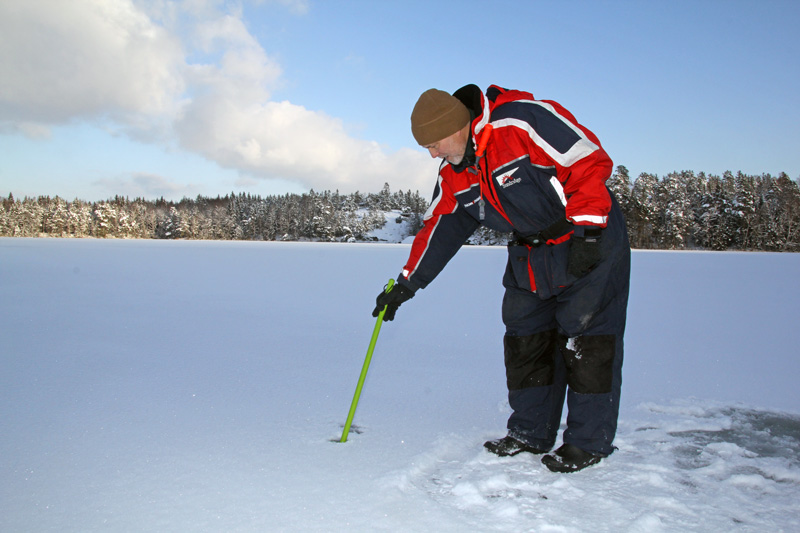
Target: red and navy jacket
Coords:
[(530, 165)]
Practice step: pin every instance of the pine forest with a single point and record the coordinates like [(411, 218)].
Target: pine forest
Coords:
[(680, 211)]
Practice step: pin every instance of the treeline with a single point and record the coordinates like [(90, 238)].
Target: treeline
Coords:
[(682, 210), (324, 216)]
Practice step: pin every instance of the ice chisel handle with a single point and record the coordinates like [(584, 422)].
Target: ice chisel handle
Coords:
[(365, 368)]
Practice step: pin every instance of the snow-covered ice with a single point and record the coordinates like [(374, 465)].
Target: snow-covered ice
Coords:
[(196, 386)]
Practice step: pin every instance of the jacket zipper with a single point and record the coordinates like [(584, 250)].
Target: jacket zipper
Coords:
[(480, 151)]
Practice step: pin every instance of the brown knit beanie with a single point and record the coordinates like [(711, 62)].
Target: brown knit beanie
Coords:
[(437, 115)]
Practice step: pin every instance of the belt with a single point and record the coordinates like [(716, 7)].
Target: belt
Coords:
[(553, 231)]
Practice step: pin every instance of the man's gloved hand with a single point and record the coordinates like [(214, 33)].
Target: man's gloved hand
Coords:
[(584, 250), (391, 300)]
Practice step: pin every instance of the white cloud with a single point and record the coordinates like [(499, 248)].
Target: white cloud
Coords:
[(84, 59), (242, 72), (283, 140), (186, 71)]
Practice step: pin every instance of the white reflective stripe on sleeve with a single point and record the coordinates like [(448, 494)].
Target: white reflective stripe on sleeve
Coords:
[(594, 219), (559, 190), (429, 212), (425, 251)]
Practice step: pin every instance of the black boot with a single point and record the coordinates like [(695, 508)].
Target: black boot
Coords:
[(569, 458), (508, 446)]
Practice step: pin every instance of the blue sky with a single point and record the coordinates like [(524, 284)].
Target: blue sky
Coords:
[(153, 98)]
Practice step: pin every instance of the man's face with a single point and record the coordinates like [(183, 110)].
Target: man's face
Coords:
[(451, 148)]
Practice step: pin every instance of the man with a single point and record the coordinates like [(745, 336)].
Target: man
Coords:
[(516, 164)]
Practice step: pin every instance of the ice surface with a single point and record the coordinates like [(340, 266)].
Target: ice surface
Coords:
[(196, 386)]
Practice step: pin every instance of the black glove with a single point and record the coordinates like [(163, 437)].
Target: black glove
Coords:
[(584, 250), (392, 300)]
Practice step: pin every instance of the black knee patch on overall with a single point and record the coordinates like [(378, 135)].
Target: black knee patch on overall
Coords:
[(589, 360), (530, 360)]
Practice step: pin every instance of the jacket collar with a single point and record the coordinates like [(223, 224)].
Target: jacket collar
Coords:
[(478, 105)]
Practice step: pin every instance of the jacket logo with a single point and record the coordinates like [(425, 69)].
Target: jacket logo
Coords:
[(505, 179)]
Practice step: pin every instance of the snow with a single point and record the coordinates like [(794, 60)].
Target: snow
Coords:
[(198, 386), (395, 230)]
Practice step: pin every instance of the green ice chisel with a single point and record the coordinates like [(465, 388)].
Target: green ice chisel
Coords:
[(364, 368)]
